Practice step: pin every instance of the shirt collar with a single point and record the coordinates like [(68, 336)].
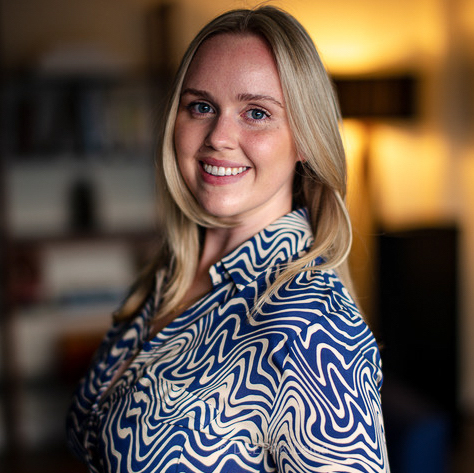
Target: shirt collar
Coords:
[(288, 236)]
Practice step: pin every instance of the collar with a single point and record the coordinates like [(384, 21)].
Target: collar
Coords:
[(278, 243)]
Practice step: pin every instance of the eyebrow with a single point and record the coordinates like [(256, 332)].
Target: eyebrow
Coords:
[(258, 97), (241, 97), (197, 92)]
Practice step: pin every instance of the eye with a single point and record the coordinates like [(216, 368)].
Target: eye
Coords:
[(257, 114), (200, 108)]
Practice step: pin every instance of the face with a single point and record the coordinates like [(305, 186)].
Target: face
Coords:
[(233, 143)]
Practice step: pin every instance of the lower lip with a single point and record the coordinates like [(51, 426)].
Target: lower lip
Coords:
[(221, 180)]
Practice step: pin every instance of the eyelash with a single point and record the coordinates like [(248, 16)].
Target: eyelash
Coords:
[(192, 107), (260, 110)]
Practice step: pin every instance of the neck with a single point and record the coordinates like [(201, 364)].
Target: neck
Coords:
[(218, 242)]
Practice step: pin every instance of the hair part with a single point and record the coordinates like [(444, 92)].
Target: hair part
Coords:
[(320, 181)]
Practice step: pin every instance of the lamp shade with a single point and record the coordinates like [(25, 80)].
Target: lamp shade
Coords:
[(377, 97)]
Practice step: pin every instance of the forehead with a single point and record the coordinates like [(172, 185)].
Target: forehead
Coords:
[(230, 58)]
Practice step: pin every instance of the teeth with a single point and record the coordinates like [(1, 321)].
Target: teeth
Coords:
[(222, 171)]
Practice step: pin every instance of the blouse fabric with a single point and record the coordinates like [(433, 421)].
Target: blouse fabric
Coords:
[(294, 388)]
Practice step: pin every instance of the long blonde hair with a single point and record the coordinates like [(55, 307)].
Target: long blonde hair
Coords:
[(320, 182)]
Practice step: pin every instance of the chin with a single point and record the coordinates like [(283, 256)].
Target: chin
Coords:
[(221, 210), (221, 214)]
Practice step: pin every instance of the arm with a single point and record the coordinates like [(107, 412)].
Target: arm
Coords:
[(327, 414)]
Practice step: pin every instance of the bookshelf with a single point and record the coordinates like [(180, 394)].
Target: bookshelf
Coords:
[(45, 117), (77, 224)]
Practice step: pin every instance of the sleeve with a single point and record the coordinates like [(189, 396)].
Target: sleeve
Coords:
[(121, 340), (327, 413), (80, 413)]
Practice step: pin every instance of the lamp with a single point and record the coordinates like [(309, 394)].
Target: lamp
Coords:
[(370, 100)]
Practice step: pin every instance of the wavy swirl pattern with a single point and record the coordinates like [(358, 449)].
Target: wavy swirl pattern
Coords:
[(295, 389)]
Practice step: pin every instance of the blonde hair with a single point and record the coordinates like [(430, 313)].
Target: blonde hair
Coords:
[(320, 181)]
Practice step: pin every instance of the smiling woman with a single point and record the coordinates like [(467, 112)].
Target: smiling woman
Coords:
[(232, 119), (241, 348)]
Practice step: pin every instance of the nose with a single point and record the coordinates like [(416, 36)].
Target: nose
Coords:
[(222, 133)]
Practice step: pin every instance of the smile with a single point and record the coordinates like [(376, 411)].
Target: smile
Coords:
[(222, 171)]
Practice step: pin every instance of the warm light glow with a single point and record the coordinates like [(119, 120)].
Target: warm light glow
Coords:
[(411, 170), (408, 174), (361, 37), (355, 143)]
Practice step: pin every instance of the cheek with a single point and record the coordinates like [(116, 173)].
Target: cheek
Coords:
[(274, 147), (187, 139)]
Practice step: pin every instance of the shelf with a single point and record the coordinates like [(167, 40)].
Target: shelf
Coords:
[(42, 333), (51, 116)]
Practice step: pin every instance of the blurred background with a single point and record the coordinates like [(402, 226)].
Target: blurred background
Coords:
[(83, 83)]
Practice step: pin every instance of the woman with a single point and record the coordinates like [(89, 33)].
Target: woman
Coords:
[(240, 348)]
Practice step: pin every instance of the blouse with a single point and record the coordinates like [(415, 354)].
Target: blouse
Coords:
[(293, 388)]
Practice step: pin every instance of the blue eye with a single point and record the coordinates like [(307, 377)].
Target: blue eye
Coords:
[(257, 114), (200, 107)]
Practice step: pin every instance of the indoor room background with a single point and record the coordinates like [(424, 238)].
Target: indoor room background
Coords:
[(83, 84)]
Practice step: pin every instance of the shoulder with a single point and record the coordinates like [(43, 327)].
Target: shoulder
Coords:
[(315, 293), (322, 316)]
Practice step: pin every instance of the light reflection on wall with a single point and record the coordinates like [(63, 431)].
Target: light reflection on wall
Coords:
[(411, 178), (362, 37)]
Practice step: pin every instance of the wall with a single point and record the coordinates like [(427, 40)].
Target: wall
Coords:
[(32, 30)]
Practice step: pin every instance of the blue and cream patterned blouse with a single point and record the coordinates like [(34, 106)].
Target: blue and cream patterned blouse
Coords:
[(294, 389)]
